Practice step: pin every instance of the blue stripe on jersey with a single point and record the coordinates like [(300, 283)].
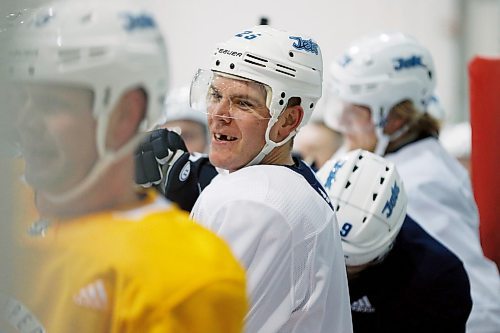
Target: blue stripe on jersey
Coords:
[(305, 171)]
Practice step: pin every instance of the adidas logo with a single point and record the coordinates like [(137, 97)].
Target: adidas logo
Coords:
[(362, 305), (93, 296)]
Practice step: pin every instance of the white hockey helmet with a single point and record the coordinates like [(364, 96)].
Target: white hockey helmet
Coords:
[(289, 64), (370, 202), (107, 46), (379, 71), (177, 108)]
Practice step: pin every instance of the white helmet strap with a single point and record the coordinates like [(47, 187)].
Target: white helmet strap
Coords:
[(383, 139), (270, 144), (103, 163)]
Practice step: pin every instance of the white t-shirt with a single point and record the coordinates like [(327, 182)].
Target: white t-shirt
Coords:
[(440, 199), (286, 236)]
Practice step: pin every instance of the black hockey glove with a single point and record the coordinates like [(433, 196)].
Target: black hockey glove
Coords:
[(155, 156), (162, 160)]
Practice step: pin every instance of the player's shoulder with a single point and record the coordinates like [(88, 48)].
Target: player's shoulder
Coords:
[(161, 235), (425, 250)]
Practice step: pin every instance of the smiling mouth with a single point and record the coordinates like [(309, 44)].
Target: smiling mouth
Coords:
[(222, 137)]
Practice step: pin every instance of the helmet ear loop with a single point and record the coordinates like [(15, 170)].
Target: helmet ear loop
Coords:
[(270, 144)]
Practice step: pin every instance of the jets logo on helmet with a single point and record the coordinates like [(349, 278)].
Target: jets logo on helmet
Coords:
[(406, 63), (391, 203), (307, 45), (141, 21), (370, 203)]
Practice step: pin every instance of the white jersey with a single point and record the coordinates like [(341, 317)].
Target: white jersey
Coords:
[(286, 236), (440, 199)]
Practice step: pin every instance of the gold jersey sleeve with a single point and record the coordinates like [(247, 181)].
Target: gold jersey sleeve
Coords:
[(143, 269)]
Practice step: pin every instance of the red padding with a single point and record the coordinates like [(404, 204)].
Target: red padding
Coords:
[(484, 78)]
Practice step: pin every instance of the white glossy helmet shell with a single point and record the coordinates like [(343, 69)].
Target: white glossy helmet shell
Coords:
[(370, 202), (109, 47), (106, 46), (382, 70), (290, 64)]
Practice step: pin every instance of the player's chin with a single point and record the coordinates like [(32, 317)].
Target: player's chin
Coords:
[(224, 160)]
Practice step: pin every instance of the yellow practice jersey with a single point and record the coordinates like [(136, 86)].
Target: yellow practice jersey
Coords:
[(143, 269)]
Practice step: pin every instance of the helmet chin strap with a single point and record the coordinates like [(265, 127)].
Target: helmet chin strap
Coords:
[(102, 164), (270, 145), (383, 139)]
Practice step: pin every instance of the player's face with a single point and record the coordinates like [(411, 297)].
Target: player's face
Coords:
[(237, 122), (193, 134), (57, 136), (357, 126)]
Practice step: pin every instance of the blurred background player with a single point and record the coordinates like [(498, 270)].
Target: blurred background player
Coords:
[(384, 83), (400, 278), (181, 118), (262, 86), (105, 257)]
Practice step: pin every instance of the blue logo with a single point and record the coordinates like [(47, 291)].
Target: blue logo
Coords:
[(333, 173), (346, 228), (391, 203), (141, 21), (406, 63), (307, 45), (345, 60), (40, 21), (247, 35), (186, 170)]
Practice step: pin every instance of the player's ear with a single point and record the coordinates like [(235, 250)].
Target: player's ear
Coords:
[(126, 118), (287, 122)]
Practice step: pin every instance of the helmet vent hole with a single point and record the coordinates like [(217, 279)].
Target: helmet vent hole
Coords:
[(386, 168), (253, 63), (107, 96), (382, 179), (257, 58), (285, 70), (311, 106), (337, 208), (231, 66), (281, 102), (283, 94), (375, 196), (97, 51), (69, 55), (86, 18), (364, 219), (360, 157), (217, 63), (291, 54), (355, 168), (347, 184), (430, 75)]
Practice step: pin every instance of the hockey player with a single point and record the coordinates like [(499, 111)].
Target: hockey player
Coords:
[(385, 83), (400, 278), (105, 257), (262, 87)]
